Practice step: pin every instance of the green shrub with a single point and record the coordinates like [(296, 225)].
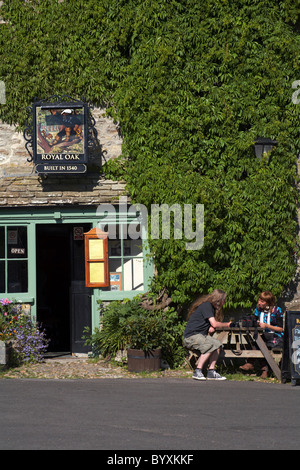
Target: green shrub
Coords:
[(128, 325)]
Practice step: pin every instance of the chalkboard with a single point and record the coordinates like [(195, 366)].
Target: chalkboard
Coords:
[(291, 351)]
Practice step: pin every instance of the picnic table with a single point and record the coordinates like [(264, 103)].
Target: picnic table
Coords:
[(247, 342)]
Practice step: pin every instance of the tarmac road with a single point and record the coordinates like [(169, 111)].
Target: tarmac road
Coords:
[(150, 414)]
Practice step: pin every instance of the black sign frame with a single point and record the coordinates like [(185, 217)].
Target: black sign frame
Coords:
[(59, 133), (290, 369)]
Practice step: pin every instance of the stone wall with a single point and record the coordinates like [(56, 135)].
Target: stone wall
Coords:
[(21, 186)]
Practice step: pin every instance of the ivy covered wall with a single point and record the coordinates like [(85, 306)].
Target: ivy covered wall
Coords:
[(191, 84)]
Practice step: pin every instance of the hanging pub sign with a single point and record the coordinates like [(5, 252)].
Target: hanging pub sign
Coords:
[(58, 135)]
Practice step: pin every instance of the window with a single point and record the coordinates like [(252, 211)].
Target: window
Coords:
[(13, 259), (126, 263)]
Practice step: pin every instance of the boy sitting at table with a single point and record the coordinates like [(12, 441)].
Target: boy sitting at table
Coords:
[(270, 318)]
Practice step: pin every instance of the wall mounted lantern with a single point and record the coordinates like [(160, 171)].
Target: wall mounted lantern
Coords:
[(263, 148)]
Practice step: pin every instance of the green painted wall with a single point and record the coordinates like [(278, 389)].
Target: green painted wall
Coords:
[(31, 216)]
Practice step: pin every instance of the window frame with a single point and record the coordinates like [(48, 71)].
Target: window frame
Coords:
[(28, 295), (120, 218), (125, 258)]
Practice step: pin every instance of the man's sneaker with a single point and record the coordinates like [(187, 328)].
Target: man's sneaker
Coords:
[(198, 375), (213, 375)]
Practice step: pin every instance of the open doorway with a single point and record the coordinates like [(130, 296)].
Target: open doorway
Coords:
[(63, 301), (53, 281)]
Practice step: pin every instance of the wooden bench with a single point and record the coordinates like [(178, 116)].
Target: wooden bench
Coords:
[(245, 343)]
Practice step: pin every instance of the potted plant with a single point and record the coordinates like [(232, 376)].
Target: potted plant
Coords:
[(145, 335), (145, 338)]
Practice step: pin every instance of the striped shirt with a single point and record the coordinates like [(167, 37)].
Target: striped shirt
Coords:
[(274, 318)]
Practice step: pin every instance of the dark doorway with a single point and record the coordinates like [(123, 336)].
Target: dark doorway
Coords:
[(60, 280)]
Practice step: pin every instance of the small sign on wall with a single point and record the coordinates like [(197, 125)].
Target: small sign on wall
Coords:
[(78, 233), (115, 280), (12, 237)]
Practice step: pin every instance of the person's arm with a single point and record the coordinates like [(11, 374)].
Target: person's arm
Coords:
[(279, 320), (217, 324), (278, 329)]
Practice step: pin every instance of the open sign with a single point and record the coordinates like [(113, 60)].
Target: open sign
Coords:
[(17, 251)]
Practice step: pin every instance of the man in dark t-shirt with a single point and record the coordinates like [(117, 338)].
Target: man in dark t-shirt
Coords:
[(198, 335), (199, 321)]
